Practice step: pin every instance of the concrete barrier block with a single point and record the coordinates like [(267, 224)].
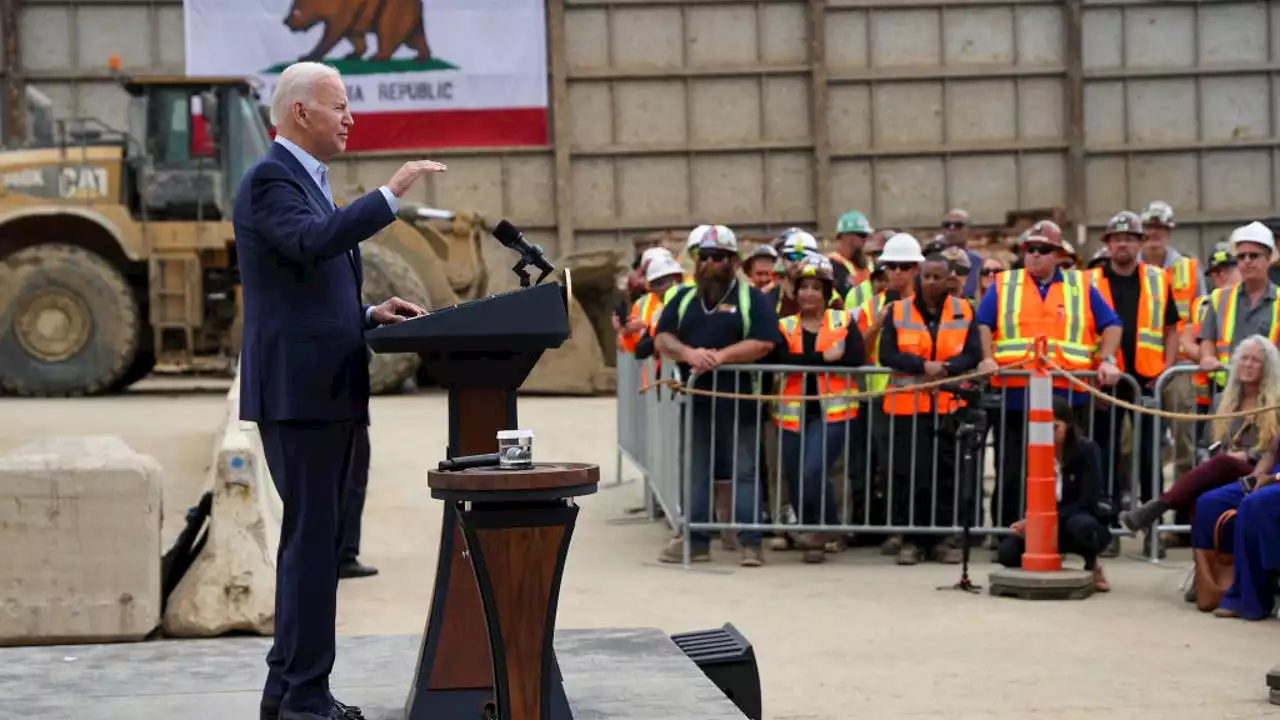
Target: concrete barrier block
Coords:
[(231, 586), (80, 532)]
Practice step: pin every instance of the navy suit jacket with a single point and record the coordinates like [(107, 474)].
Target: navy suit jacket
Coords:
[(304, 355)]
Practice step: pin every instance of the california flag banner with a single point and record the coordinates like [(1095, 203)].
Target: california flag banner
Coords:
[(419, 73)]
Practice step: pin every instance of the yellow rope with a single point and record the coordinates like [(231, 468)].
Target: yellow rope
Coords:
[(677, 386)]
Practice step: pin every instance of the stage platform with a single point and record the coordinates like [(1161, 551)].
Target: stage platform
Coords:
[(609, 674)]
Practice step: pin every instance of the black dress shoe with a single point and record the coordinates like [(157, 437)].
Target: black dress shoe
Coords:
[(270, 710), (337, 711), (355, 569)]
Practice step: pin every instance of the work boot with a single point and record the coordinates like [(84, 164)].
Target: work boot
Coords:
[(674, 553), (947, 552), (781, 543), (814, 547), (909, 554), (1142, 517), (752, 556), (892, 545)]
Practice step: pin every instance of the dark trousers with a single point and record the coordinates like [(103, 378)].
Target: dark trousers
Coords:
[(723, 447), (310, 464), (1108, 427), (353, 511), (1080, 534), (922, 479), (806, 459)]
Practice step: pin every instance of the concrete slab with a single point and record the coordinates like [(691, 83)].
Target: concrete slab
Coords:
[(1061, 585), (609, 674)]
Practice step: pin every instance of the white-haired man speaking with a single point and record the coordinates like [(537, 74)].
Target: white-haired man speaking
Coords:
[(304, 373)]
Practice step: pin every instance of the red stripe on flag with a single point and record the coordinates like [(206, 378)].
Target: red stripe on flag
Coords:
[(448, 128)]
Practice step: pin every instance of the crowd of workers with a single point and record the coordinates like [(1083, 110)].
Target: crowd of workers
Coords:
[(903, 314)]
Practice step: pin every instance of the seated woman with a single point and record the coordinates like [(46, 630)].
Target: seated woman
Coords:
[(1254, 541), (1081, 530), (814, 430), (1245, 443)]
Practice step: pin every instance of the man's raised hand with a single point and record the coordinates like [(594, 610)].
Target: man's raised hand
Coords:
[(409, 173)]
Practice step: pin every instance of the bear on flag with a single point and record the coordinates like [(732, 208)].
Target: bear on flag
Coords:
[(419, 73)]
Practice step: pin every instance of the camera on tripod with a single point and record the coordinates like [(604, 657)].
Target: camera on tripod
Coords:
[(970, 420)]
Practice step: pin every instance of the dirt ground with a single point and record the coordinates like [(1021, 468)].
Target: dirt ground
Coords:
[(856, 637)]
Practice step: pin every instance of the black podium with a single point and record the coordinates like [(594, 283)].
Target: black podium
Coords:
[(480, 351)]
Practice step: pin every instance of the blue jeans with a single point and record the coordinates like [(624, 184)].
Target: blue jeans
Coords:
[(731, 446), (805, 457)]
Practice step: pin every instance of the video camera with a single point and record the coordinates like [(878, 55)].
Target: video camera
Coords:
[(971, 418)]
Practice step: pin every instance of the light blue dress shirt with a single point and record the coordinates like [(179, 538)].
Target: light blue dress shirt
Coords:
[(319, 172)]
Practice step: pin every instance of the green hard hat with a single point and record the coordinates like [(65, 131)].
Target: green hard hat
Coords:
[(854, 222)]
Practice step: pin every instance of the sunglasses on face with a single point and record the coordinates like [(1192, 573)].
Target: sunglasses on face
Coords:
[(960, 270), (1039, 249), (793, 256), (951, 225), (900, 267), (988, 272), (714, 256), (1249, 256)]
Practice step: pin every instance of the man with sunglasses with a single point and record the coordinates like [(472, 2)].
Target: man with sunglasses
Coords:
[(1141, 295), (721, 320), (850, 265), (955, 227), (1246, 308), (1022, 305)]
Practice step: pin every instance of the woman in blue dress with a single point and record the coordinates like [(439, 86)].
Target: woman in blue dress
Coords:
[(1253, 538)]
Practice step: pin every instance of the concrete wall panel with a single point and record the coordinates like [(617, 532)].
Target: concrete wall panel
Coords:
[(677, 113)]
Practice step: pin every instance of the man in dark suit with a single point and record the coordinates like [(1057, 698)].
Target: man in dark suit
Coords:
[(304, 374)]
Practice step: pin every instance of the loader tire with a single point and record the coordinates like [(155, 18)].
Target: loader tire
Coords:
[(69, 323), (386, 274)]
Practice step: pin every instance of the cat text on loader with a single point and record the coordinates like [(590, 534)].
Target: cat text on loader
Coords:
[(117, 255)]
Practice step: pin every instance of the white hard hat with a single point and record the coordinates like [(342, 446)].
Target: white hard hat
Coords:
[(654, 252), (903, 248), (1254, 232), (661, 267), (718, 237), (800, 241), (695, 237)]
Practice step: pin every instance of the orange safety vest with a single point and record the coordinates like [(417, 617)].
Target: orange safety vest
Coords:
[(1153, 294), (1064, 317), (1199, 307), (648, 308), (914, 339), (1226, 311), (1183, 281), (832, 333)]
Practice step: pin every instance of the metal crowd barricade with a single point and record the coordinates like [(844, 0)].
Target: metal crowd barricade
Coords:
[(633, 426), (868, 495), (1185, 456)]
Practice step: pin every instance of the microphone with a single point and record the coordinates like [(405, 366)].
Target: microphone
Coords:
[(511, 237)]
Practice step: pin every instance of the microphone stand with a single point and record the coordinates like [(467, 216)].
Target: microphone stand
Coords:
[(970, 437)]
